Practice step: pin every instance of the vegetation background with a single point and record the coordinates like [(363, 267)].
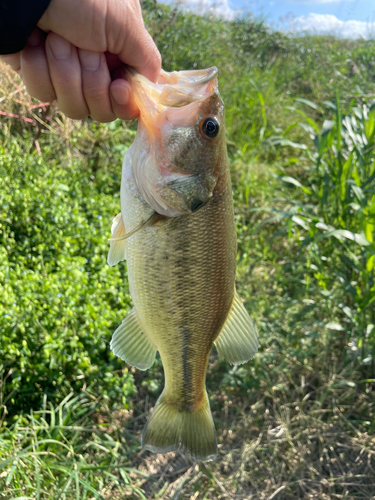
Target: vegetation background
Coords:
[(296, 422)]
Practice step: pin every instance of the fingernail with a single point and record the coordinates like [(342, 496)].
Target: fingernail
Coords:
[(34, 38), (60, 47), (90, 60), (120, 95)]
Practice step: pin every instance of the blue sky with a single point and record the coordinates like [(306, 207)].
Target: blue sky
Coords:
[(349, 18), (344, 10)]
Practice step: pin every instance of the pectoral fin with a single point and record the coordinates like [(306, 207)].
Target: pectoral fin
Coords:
[(151, 220), (131, 345), (237, 342), (117, 246)]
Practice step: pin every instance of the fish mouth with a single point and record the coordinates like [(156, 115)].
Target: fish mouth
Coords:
[(189, 78), (175, 89)]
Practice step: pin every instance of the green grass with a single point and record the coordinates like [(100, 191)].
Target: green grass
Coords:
[(296, 422), (64, 452)]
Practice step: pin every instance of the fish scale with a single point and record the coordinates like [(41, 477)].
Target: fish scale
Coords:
[(197, 246), (179, 240)]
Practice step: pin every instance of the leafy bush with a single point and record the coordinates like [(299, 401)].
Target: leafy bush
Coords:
[(331, 217), (59, 301)]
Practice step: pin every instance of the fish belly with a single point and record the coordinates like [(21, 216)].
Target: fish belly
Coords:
[(181, 276)]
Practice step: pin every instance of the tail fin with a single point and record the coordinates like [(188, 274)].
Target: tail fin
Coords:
[(169, 427)]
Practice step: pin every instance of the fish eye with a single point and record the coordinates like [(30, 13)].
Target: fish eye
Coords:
[(210, 127)]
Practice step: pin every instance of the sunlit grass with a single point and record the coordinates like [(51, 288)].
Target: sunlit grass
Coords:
[(64, 452)]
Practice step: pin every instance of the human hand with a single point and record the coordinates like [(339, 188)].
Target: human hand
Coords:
[(76, 54)]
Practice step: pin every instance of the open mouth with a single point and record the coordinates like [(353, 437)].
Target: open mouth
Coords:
[(177, 89)]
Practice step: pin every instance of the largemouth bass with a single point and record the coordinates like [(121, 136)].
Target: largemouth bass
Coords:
[(176, 230)]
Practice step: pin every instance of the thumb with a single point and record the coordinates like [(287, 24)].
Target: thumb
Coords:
[(131, 42)]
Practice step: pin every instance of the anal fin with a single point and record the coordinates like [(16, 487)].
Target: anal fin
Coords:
[(117, 246), (237, 342), (131, 345)]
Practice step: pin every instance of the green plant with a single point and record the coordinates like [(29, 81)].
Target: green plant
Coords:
[(332, 216), (63, 453)]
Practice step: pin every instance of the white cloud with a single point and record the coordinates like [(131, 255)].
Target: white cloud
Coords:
[(220, 8), (323, 24), (315, 2)]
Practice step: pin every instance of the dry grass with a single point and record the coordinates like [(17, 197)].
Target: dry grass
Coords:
[(23, 114), (283, 443), (15, 103)]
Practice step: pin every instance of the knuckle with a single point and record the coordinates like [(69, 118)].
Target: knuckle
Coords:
[(38, 88), (13, 60), (125, 113)]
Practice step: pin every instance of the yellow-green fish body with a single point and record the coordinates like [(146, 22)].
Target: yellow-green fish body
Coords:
[(181, 257)]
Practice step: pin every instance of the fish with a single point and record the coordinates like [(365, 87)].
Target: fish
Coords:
[(177, 232)]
